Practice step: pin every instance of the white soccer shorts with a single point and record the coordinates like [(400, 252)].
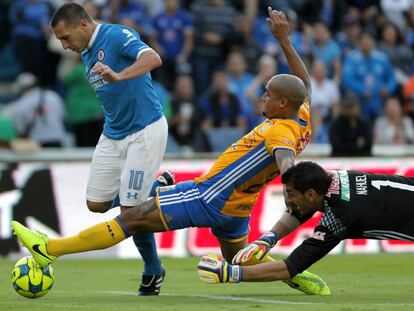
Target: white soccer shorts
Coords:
[(128, 166)]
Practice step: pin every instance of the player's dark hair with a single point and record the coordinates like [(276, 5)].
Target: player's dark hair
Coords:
[(307, 175), (70, 14)]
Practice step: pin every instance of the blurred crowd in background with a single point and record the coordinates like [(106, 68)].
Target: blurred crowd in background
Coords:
[(217, 57)]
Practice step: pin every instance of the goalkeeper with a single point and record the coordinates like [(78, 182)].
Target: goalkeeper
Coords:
[(355, 205), (223, 198)]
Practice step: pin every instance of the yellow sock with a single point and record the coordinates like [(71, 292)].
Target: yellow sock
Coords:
[(100, 236), (254, 261)]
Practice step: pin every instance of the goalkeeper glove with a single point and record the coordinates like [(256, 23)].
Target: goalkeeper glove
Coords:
[(214, 269), (259, 248)]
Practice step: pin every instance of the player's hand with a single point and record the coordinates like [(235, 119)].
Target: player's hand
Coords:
[(278, 24), (259, 248), (214, 269), (106, 72)]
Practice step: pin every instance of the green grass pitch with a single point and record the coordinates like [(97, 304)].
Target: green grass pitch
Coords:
[(357, 282)]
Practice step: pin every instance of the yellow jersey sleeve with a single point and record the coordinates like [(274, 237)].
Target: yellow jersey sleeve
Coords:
[(281, 135)]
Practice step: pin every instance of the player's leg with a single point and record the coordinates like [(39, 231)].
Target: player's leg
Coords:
[(230, 248), (143, 218), (105, 170), (144, 151), (232, 235), (175, 207)]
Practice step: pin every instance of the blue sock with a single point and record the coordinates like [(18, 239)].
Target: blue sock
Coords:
[(154, 187), (145, 243)]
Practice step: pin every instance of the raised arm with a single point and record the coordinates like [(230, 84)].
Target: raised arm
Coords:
[(279, 26)]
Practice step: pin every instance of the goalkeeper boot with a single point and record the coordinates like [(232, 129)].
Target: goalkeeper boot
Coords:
[(151, 284), (35, 242), (309, 283)]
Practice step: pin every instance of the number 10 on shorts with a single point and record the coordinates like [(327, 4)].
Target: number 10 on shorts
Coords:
[(135, 179)]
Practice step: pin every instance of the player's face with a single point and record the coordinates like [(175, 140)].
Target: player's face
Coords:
[(271, 103), (301, 202), (72, 37)]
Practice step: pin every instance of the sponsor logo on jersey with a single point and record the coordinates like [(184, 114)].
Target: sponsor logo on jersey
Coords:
[(344, 179), (334, 187), (96, 81), (361, 184), (101, 55), (287, 141), (130, 36)]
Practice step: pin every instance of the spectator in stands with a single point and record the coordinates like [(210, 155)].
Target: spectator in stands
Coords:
[(245, 43), (325, 91), (214, 23), (164, 96), (327, 50), (319, 129), (30, 26), (267, 68), (400, 55), (7, 132), (131, 13), (83, 108), (369, 74), (350, 134), (408, 97), (408, 32), (328, 12), (239, 80), (172, 38), (38, 114), (221, 107), (4, 23), (393, 128), (347, 37), (185, 120), (395, 10)]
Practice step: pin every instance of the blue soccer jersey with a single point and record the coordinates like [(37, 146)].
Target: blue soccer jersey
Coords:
[(170, 30), (130, 105)]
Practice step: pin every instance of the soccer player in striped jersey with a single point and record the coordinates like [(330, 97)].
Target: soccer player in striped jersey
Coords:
[(223, 198), (356, 205)]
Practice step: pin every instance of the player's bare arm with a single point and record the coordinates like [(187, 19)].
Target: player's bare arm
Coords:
[(279, 26), (146, 62), (266, 272)]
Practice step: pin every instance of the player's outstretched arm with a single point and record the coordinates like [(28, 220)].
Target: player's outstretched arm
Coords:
[(279, 26), (214, 269)]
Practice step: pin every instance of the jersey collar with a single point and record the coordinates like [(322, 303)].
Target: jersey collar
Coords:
[(95, 33)]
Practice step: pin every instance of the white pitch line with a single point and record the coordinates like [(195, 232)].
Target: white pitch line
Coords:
[(220, 297), (268, 301)]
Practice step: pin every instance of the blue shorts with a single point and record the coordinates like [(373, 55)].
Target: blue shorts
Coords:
[(181, 206)]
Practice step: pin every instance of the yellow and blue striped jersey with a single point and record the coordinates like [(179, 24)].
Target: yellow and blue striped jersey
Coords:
[(233, 183)]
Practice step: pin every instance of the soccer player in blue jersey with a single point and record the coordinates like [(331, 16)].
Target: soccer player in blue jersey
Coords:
[(131, 147)]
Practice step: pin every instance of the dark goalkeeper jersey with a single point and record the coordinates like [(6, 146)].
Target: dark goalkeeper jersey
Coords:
[(359, 205)]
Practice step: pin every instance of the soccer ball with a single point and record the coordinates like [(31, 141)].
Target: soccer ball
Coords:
[(30, 280)]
